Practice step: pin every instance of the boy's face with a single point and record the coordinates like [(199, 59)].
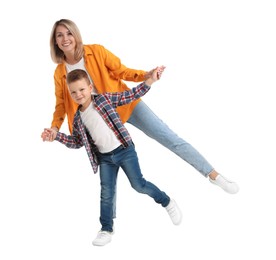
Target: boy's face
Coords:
[(80, 91)]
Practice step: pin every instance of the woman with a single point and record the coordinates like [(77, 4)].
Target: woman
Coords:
[(107, 74)]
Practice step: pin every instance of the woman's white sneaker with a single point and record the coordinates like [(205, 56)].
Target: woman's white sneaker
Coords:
[(227, 185)]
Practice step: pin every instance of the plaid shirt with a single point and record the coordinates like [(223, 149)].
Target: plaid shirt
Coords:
[(106, 105)]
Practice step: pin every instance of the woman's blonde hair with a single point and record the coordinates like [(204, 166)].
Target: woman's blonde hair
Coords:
[(57, 54)]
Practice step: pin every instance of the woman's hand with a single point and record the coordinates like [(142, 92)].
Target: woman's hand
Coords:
[(155, 75), (49, 134)]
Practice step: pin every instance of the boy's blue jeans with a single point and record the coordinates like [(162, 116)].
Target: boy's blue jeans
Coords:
[(127, 159)]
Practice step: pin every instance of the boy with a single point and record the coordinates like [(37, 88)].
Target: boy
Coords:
[(98, 127)]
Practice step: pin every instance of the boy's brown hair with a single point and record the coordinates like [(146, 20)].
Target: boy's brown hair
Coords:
[(77, 74)]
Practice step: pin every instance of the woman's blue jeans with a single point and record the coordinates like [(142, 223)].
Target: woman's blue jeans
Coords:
[(127, 159), (144, 119)]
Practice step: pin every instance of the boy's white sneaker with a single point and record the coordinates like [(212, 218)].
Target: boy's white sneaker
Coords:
[(174, 212), (103, 237), (227, 185)]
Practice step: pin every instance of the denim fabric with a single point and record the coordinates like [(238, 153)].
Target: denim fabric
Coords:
[(127, 159), (144, 119)]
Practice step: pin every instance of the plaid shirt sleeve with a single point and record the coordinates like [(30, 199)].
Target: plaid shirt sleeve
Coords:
[(70, 141), (73, 141), (125, 97)]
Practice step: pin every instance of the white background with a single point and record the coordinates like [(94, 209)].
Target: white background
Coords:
[(217, 92)]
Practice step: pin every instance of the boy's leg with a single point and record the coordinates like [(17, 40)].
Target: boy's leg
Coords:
[(128, 160), (108, 177), (115, 200)]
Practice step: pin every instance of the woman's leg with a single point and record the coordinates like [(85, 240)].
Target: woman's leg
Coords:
[(144, 119)]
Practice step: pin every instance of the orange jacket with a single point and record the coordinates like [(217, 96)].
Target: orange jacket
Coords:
[(107, 73)]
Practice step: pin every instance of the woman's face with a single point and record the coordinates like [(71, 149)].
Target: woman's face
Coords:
[(64, 39)]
